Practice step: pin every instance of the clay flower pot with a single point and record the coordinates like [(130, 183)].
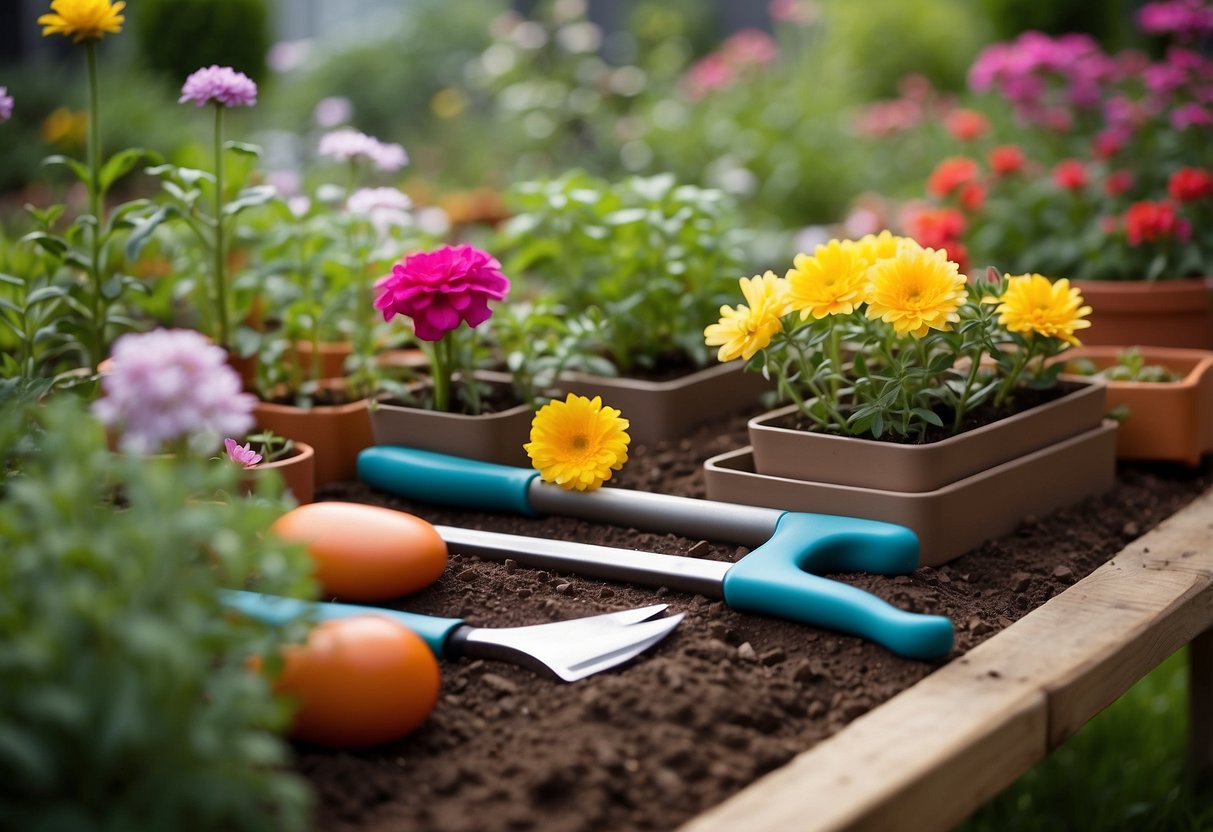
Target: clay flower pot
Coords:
[(298, 473), (336, 433), (489, 437), (1163, 313), (1165, 420), (332, 357), (660, 410), (954, 493)]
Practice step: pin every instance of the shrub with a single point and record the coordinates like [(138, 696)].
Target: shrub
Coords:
[(178, 36)]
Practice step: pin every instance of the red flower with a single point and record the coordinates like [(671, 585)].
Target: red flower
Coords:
[(1109, 143), (1070, 175), (950, 174), (972, 196), (1188, 184), (1149, 222), (936, 227), (1006, 159), (1118, 182), (967, 125)]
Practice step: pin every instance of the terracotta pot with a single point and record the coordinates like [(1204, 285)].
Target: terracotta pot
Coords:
[(336, 433), (1165, 420), (332, 357), (662, 410), (489, 437), (949, 521), (298, 473), (868, 463), (1163, 313)]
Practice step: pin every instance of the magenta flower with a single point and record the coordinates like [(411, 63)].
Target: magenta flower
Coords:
[(6, 105), (168, 385), (1187, 20), (348, 145), (220, 84), (242, 454), (439, 289)]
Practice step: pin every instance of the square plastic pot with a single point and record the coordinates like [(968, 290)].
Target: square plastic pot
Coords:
[(490, 437)]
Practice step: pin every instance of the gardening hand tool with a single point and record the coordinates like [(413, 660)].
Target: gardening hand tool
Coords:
[(570, 649), (779, 577)]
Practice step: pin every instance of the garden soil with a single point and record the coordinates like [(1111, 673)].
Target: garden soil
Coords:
[(724, 699)]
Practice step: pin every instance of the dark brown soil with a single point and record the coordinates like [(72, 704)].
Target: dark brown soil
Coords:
[(726, 698)]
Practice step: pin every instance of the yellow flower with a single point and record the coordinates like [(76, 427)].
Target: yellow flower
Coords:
[(917, 290), (576, 443), (831, 282), (63, 127), (83, 19), (882, 246), (1032, 303), (745, 330)]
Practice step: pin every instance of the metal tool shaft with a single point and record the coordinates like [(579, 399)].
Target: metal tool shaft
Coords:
[(694, 575)]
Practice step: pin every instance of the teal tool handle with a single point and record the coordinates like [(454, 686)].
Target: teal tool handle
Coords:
[(446, 480), (277, 611), (776, 579)]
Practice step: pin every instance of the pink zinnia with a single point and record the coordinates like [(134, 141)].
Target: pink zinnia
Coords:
[(172, 384), (6, 104), (439, 289), (242, 454), (220, 84)]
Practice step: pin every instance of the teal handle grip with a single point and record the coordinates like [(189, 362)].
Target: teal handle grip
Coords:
[(276, 611), (778, 579), (446, 480)]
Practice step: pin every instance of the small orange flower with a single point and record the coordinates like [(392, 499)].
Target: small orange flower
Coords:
[(966, 125)]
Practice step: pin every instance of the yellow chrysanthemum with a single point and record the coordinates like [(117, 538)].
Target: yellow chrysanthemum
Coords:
[(916, 291), (744, 330), (1033, 303), (882, 246), (83, 20), (576, 443), (831, 282)]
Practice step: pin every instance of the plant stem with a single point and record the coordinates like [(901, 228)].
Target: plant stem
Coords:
[(962, 404), (97, 347), (220, 260), (1013, 376), (441, 374)]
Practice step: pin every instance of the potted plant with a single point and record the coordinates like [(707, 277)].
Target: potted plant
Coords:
[(1162, 398), (1105, 177), (264, 451), (642, 262), (912, 389)]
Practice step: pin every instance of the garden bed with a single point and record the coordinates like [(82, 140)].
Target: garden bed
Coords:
[(726, 698)]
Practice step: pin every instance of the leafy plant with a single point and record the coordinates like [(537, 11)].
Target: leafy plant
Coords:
[(1130, 365), (126, 700), (652, 259)]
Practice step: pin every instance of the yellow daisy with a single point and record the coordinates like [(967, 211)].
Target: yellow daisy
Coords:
[(744, 330), (83, 20), (882, 246), (1032, 303), (831, 282), (576, 443), (916, 291)]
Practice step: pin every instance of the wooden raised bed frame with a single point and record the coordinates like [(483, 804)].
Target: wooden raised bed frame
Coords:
[(933, 754)]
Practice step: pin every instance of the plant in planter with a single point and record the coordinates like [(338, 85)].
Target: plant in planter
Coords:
[(647, 260), (909, 385), (1101, 173), (266, 451)]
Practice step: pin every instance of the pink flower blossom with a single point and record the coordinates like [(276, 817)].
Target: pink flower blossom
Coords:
[(1191, 115), (242, 454), (749, 47), (439, 289), (6, 105), (711, 72), (386, 208), (332, 111), (172, 384), (348, 144), (1185, 19), (793, 11), (220, 84)]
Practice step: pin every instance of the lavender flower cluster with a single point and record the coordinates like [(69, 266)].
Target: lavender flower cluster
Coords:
[(220, 84), (6, 105), (348, 145)]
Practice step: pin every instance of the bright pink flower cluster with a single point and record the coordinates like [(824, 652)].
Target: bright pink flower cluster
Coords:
[(439, 289), (742, 51), (172, 384), (220, 84), (1186, 20)]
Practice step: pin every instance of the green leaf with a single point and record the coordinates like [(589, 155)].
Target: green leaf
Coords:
[(48, 242), (82, 172), (141, 232), (249, 198), (118, 166), (243, 148), (112, 288), (928, 416), (43, 294)]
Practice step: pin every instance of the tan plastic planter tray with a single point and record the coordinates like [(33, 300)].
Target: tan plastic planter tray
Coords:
[(947, 521), (661, 410), (928, 757), (1166, 421), (491, 437), (868, 463)]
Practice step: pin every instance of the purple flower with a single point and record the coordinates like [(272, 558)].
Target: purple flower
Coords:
[(348, 144), (331, 111), (386, 208), (439, 289), (1191, 115), (243, 454), (6, 105), (1187, 20), (172, 384), (221, 84)]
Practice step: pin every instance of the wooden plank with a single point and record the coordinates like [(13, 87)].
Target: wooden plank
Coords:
[(1200, 706), (931, 755)]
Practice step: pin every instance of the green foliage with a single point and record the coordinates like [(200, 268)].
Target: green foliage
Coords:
[(1130, 365), (177, 37), (125, 697), (652, 259)]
